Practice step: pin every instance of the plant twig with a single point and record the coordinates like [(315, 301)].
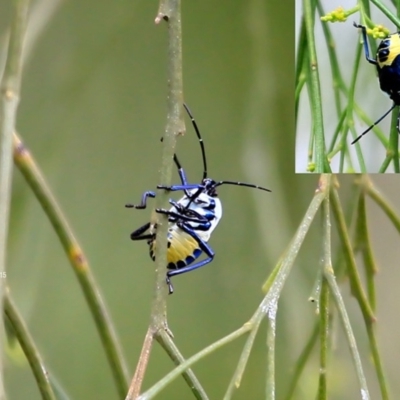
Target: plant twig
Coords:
[(78, 261), (170, 11), (136, 384), (38, 368), (301, 362), (168, 344), (149, 394), (349, 332), (357, 290), (9, 99), (355, 279), (315, 90), (380, 200)]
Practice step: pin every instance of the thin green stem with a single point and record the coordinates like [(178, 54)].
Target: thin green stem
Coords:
[(300, 76), (301, 362), (393, 147), (337, 79), (331, 280), (383, 385), (350, 120), (244, 357), (323, 340), (28, 346), (324, 298), (169, 346), (349, 333), (380, 200), (386, 11), (9, 100), (355, 280), (363, 243), (29, 169), (315, 90), (137, 380), (154, 390), (270, 342)]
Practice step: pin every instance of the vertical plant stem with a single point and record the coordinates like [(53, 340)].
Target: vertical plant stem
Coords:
[(334, 288), (271, 334), (363, 243), (323, 337), (315, 90), (9, 99), (301, 362), (373, 343), (169, 11), (324, 298), (349, 333), (355, 279)]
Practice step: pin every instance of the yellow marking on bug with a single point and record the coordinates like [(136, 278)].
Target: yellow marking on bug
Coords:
[(181, 246), (394, 51)]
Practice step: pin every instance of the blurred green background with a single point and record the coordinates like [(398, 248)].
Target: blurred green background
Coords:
[(93, 109)]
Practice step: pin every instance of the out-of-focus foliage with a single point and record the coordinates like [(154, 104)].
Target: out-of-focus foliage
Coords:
[(92, 112)]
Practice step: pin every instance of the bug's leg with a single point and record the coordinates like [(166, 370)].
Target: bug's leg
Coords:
[(181, 171), (376, 123), (170, 286), (200, 219), (203, 246), (365, 40), (186, 187), (143, 203), (139, 233)]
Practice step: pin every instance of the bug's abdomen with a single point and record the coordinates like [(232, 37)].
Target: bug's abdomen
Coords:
[(182, 249), (388, 63)]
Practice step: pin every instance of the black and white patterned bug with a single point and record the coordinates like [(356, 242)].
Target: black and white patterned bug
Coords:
[(191, 219)]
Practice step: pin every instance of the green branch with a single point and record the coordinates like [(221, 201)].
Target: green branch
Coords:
[(9, 99), (32, 355), (78, 261)]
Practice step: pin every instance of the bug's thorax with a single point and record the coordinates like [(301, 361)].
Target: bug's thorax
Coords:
[(203, 205), (388, 50)]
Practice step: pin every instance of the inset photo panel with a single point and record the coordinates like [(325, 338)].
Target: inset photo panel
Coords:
[(347, 92)]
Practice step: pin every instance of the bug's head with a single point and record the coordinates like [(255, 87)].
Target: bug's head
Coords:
[(210, 187)]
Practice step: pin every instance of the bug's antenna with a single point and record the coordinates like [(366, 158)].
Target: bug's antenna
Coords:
[(196, 128), (250, 185), (376, 123)]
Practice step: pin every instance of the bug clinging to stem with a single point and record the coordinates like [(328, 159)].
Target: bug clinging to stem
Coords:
[(387, 62), (191, 219)]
